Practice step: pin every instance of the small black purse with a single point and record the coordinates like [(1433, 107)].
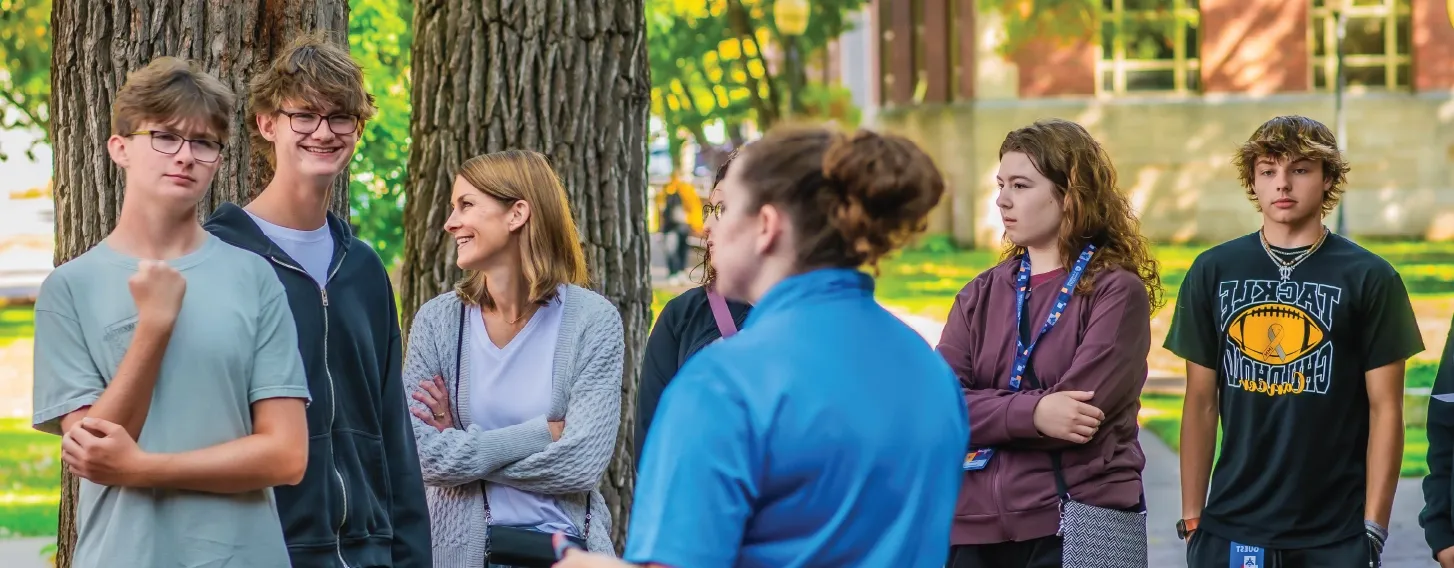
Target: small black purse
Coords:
[(521, 547)]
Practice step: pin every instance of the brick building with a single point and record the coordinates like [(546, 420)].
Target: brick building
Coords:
[(1171, 87)]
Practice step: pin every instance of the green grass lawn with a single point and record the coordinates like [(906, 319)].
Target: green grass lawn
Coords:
[(30, 473), (924, 279), (16, 322), (1161, 415)]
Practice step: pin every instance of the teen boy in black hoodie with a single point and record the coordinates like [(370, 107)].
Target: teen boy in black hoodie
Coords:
[(1437, 518), (361, 502)]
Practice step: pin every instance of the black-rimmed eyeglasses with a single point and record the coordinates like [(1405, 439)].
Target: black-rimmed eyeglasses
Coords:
[(206, 151), (307, 122), (713, 210)]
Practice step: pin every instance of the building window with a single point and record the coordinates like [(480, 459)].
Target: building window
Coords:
[(1376, 44), (1149, 46)]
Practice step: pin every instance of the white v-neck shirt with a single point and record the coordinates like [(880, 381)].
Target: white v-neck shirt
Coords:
[(511, 385)]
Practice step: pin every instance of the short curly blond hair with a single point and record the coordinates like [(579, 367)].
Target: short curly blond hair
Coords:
[(1294, 138)]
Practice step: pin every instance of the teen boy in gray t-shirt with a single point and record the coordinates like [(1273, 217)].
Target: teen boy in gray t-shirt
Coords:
[(168, 359)]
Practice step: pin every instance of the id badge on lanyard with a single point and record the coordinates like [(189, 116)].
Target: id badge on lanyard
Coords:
[(978, 458)]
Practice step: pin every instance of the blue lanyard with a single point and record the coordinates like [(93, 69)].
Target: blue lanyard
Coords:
[(977, 459), (1022, 285)]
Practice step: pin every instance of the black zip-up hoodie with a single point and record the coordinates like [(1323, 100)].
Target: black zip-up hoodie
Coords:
[(361, 502), (1437, 517)]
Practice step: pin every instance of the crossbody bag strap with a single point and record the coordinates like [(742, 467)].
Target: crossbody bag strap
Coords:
[(1061, 488), (725, 325), (458, 354), (454, 404)]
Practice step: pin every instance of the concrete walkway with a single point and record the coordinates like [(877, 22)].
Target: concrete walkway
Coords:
[(25, 247), (23, 552)]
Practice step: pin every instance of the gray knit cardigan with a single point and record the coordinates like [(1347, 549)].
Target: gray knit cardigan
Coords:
[(586, 393)]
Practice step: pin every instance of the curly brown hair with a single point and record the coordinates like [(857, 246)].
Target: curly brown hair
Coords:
[(851, 198), (1095, 209), (1293, 138)]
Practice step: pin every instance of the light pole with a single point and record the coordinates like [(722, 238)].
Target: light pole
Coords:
[(791, 18), (1340, 11)]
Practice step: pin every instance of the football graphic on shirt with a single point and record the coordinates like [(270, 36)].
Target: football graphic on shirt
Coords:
[(1274, 334)]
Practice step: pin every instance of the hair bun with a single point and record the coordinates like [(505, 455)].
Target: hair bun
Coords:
[(886, 186)]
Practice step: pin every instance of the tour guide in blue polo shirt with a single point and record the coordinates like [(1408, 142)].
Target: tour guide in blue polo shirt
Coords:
[(827, 432)]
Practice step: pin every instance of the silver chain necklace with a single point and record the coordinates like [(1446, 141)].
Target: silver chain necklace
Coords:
[(1285, 267)]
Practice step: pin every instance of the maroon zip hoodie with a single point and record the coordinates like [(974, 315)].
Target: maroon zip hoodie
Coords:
[(1100, 344)]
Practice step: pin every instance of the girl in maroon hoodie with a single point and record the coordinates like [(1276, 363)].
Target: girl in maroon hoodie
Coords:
[(1053, 431)]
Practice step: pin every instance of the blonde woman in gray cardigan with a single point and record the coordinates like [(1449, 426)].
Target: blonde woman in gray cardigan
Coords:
[(515, 376)]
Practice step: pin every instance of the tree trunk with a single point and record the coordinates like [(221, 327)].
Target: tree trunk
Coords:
[(95, 45), (568, 78)]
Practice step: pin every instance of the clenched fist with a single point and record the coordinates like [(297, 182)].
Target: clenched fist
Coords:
[(158, 290)]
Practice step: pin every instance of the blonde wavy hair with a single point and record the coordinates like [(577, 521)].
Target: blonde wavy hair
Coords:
[(551, 247)]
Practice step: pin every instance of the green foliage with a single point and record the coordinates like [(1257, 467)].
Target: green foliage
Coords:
[(25, 67), (698, 72), (379, 35), (708, 65)]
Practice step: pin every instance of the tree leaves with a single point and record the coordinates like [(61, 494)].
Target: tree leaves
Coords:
[(380, 33), (25, 68), (708, 65)]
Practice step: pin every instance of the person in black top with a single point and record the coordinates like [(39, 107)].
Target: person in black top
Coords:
[(1296, 340), (685, 326)]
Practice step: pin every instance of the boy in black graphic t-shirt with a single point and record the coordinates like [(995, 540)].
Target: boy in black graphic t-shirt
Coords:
[(1295, 338)]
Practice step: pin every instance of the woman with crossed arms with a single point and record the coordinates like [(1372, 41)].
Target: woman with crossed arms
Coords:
[(1050, 348), (515, 374)]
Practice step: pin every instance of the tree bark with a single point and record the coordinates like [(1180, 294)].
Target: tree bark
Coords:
[(95, 45), (567, 78)]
